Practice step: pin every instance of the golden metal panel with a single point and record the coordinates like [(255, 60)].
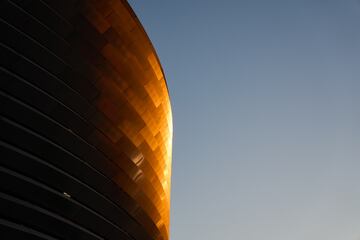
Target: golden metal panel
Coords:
[(133, 96)]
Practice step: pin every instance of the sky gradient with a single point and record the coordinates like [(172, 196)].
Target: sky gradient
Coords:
[(266, 110)]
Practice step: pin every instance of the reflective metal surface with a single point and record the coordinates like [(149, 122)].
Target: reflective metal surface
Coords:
[(134, 96), (86, 121)]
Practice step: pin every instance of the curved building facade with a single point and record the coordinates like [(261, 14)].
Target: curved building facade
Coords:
[(85, 123)]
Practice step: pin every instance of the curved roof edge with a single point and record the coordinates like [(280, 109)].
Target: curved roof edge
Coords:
[(138, 22)]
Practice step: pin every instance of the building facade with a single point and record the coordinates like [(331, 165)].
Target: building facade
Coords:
[(85, 123)]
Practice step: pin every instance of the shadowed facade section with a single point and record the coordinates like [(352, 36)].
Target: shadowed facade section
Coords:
[(86, 125)]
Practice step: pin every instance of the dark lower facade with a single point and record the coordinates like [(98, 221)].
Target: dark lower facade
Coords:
[(85, 123)]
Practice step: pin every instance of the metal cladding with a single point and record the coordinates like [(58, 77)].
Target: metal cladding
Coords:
[(85, 123)]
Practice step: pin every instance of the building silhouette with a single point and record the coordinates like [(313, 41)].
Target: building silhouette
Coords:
[(85, 123)]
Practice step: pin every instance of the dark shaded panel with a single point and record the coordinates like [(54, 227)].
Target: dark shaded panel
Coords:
[(11, 230)]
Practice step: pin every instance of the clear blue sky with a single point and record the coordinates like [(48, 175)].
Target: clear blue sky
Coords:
[(266, 108)]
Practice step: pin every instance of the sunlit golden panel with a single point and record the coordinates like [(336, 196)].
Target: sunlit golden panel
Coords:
[(134, 96), (87, 98)]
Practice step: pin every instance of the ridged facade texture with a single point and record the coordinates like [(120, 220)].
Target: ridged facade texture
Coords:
[(85, 123)]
